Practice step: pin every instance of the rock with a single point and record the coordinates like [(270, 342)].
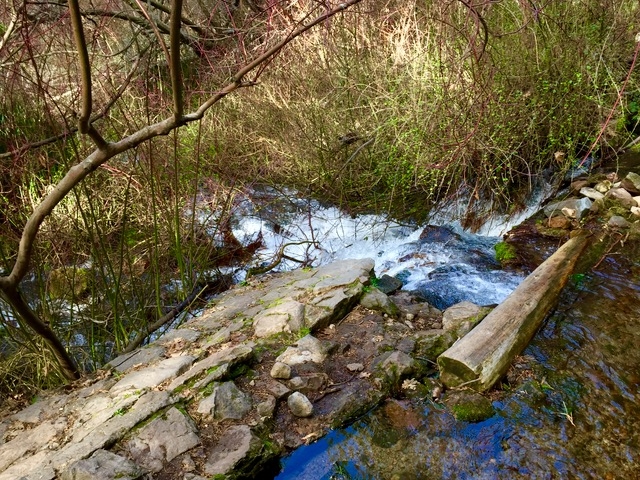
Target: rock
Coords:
[(299, 405), (637, 200), (569, 212), (581, 206), (397, 366), (309, 383), (307, 349), (468, 406), (163, 439), (225, 402), (277, 389), (621, 196), (559, 222), (355, 367), (374, 299), (285, 317), (635, 211), (617, 222), (266, 408), (578, 185), (281, 370), (102, 465), (154, 375), (236, 444), (462, 317), (631, 182), (431, 343), (143, 356), (591, 193), (603, 186), (438, 234), (388, 284)]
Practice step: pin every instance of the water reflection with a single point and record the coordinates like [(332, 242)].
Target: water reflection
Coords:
[(579, 417)]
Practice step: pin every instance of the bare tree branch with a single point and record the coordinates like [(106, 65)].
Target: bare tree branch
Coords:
[(175, 65), (84, 120)]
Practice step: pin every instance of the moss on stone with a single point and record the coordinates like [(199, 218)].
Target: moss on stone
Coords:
[(504, 252)]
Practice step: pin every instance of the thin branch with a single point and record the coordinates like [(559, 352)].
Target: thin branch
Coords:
[(10, 28), (85, 66), (175, 65)]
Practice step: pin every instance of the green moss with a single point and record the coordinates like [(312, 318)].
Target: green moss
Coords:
[(504, 252)]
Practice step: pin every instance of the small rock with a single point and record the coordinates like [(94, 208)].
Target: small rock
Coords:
[(281, 370), (397, 366), (637, 200), (635, 211), (603, 187), (374, 299), (388, 285), (578, 185), (226, 401), (307, 349), (569, 212), (277, 389), (410, 316), (300, 405), (591, 193), (617, 222), (581, 206), (265, 409), (355, 367), (621, 196), (631, 182), (559, 222)]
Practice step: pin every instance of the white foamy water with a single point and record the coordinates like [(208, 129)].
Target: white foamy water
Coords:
[(460, 269)]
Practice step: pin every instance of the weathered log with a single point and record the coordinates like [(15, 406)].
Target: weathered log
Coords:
[(482, 356)]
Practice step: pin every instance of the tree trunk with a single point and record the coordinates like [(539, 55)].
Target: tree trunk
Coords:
[(481, 357), (67, 366)]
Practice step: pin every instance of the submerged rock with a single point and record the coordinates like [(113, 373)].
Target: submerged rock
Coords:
[(468, 406)]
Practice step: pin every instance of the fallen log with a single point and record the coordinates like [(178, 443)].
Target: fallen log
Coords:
[(482, 356)]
